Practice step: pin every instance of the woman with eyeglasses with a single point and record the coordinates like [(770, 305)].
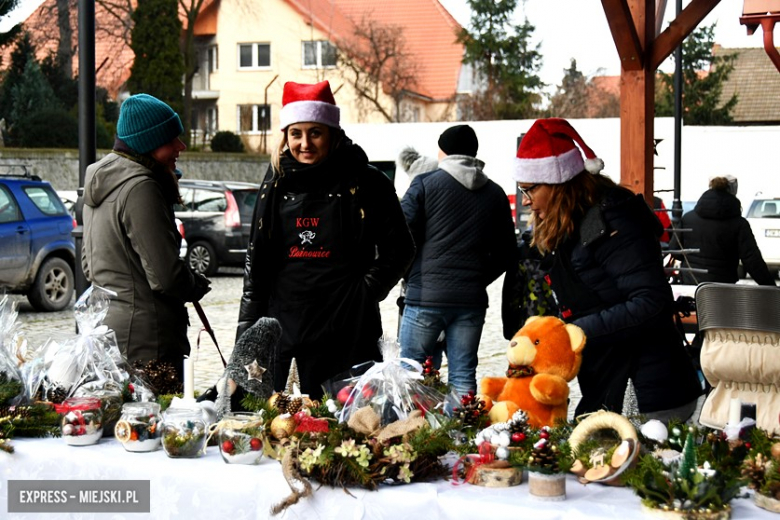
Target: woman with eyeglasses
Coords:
[(607, 275)]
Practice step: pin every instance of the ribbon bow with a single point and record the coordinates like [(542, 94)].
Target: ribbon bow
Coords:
[(520, 371), (485, 455)]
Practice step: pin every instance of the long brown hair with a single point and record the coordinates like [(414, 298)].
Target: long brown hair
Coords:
[(568, 202)]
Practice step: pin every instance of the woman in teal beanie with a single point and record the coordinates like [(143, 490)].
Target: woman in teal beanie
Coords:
[(131, 244)]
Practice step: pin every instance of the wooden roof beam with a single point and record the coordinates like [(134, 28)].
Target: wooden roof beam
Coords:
[(682, 26), (624, 33)]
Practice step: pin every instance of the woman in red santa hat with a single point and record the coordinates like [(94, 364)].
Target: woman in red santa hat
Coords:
[(329, 241), (607, 274)]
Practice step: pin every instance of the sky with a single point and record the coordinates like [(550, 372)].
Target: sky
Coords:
[(581, 33), (578, 29)]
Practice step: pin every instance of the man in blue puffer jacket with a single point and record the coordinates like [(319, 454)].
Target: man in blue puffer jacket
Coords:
[(461, 223)]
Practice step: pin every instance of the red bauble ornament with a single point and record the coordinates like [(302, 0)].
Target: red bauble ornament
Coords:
[(256, 444), (343, 395), (518, 437), (544, 434), (228, 447), (747, 445)]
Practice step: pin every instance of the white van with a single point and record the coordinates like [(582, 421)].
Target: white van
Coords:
[(764, 217)]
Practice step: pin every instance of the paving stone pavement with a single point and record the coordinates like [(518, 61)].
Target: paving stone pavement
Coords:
[(221, 308)]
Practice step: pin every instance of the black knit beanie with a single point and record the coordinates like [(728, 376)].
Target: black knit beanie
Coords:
[(459, 140)]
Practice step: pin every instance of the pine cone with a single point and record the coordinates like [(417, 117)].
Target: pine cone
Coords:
[(160, 375), (471, 409), (754, 470), (282, 402), (294, 405), (519, 422), (544, 457), (55, 395)]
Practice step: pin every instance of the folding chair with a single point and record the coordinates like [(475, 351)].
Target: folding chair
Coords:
[(740, 355)]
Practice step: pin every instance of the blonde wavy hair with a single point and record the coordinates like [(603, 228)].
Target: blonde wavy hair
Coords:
[(567, 203)]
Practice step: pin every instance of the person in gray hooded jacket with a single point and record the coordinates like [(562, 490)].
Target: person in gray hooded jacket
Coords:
[(461, 223), (131, 244)]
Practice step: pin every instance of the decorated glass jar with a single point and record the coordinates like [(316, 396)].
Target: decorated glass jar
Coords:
[(183, 432), (241, 438), (138, 428), (82, 420)]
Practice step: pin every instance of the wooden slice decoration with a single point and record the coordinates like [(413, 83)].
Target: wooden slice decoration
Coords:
[(622, 458), (765, 502), (497, 474)]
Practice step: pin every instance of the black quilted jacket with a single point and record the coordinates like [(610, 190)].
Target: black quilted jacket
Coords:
[(609, 280), (462, 226)]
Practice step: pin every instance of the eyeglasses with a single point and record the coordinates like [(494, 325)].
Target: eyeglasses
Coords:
[(526, 192)]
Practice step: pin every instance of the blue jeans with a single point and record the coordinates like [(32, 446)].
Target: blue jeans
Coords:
[(420, 328)]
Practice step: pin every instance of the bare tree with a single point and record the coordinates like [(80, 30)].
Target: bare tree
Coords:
[(65, 48), (191, 9), (113, 23), (578, 96), (375, 61)]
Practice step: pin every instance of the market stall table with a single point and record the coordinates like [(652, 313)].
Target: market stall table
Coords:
[(208, 488)]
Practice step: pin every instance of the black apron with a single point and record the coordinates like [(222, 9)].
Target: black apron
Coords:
[(329, 322)]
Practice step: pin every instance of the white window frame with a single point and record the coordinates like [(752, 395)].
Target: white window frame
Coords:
[(319, 53), (255, 119), (254, 65), (212, 120), (212, 60)]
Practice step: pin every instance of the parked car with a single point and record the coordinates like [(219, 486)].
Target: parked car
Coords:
[(764, 218), (69, 199), (183, 246), (37, 249), (217, 220)]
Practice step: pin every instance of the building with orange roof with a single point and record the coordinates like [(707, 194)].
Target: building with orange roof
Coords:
[(247, 51)]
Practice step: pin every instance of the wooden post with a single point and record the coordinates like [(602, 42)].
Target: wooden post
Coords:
[(633, 27), (637, 108)]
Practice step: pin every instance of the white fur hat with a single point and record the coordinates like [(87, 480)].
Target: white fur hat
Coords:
[(410, 161)]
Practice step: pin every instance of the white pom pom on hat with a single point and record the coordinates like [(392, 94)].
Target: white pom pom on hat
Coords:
[(549, 154)]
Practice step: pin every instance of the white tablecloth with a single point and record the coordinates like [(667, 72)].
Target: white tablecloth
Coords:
[(208, 488)]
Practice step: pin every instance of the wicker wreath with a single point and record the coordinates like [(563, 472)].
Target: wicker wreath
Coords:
[(622, 458)]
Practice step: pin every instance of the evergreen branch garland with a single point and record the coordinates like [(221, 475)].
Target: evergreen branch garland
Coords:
[(37, 420)]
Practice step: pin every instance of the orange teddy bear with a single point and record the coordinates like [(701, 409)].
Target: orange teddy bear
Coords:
[(543, 356)]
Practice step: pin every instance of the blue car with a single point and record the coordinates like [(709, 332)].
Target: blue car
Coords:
[(37, 249)]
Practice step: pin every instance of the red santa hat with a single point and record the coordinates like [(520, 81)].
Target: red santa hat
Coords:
[(306, 103), (548, 155)]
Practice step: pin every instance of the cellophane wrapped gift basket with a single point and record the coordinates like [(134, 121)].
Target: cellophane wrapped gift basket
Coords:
[(11, 383)]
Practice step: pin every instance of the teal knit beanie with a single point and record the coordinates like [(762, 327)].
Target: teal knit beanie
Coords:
[(146, 123)]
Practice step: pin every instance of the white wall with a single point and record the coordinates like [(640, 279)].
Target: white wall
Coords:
[(748, 153)]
